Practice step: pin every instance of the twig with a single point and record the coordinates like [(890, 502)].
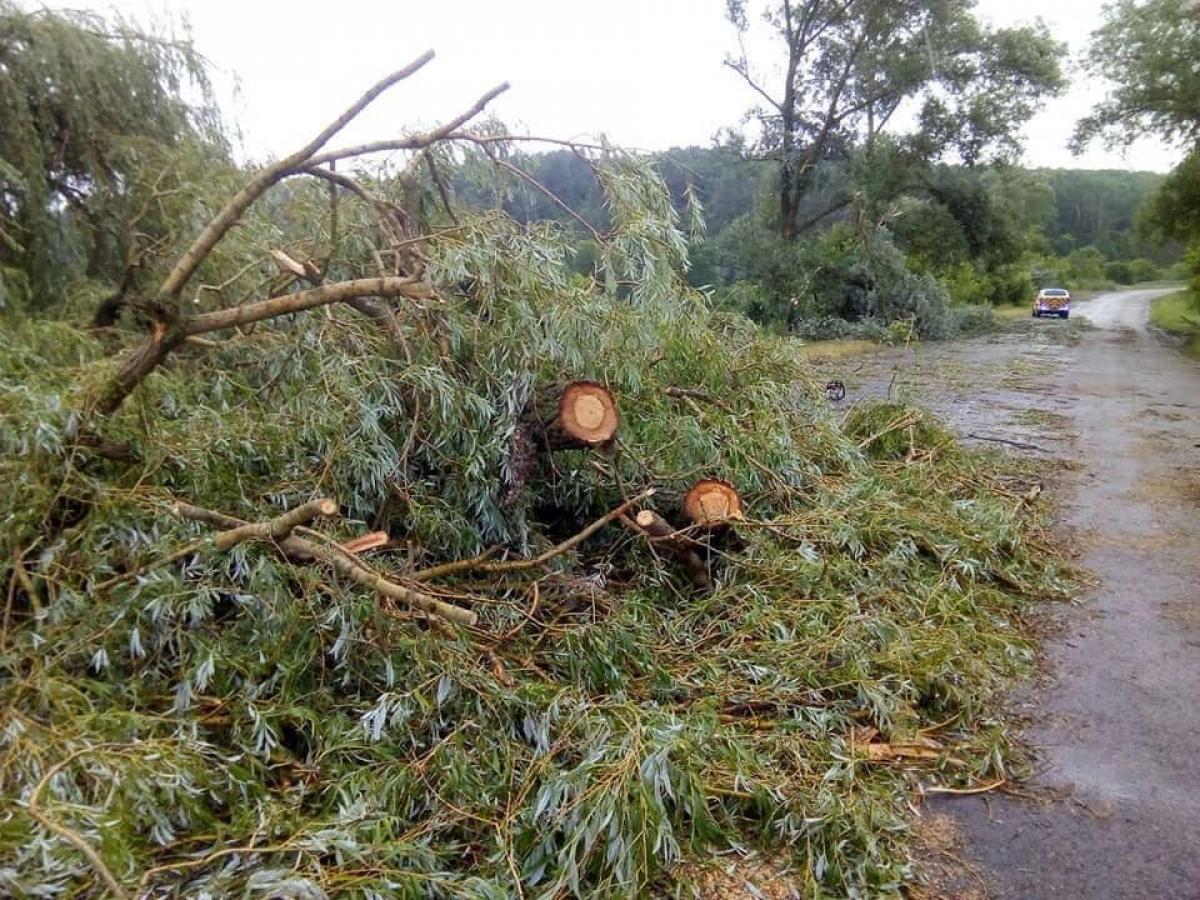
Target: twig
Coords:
[(896, 424), (680, 393), (1021, 445), (34, 807), (460, 565), (440, 184), (481, 564), (982, 789), (416, 142), (558, 201), (142, 570)]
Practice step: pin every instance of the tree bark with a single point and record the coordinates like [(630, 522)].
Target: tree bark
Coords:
[(277, 528), (661, 535)]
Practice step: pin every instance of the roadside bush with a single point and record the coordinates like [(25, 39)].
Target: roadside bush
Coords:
[(1120, 271), (967, 320), (1143, 270)]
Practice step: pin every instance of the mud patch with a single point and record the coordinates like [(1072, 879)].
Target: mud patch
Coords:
[(1184, 612), (1169, 414), (1178, 485), (1139, 543), (1052, 422)]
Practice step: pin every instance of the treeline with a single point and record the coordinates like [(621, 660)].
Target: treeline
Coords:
[(988, 235)]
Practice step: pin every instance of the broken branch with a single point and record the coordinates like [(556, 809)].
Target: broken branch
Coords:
[(271, 175), (295, 547), (277, 528), (659, 533), (417, 141)]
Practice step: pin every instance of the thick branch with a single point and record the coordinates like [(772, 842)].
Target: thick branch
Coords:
[(659, 533), (338, 292), (417, 141)]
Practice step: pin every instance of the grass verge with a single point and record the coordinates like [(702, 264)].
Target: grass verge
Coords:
[(823, 351), (1178, 314)]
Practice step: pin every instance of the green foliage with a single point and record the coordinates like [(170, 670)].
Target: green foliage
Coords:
[(1179, 314), (1174, 211), (234, 725), (94, 132), (1146, 51)]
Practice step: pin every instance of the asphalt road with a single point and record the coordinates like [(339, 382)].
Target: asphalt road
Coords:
[(1117, 728)]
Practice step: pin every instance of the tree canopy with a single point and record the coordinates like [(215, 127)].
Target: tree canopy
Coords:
[(930, 75), (1146, 51), (92, 111)]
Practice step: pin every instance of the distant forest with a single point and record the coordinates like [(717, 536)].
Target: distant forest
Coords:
[(988, 233)]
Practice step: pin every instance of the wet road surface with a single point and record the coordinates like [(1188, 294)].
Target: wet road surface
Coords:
[(1117, 728)]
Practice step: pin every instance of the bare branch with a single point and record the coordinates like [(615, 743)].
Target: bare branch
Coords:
[(277, 528), (417, 141), (481, 563), (272, 174), (743, 69), (313, 546)]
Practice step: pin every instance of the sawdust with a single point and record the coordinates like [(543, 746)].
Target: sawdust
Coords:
[(941, 871), (750, 877)]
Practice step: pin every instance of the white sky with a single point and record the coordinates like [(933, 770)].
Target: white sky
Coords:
[(647, 73)]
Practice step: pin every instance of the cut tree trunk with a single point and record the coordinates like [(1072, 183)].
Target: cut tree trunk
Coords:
[(712, 503), (586, 416), (662, 536)]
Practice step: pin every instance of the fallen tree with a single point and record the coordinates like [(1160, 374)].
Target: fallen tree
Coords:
[(205, 688)]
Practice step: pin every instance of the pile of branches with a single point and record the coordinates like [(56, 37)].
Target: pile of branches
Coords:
[(374, 553)]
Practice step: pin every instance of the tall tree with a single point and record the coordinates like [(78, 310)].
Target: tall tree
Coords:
[(927, 73), (87, 106), (1147, 52)]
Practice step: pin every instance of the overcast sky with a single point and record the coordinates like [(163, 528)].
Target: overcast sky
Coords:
[(647, 73)]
